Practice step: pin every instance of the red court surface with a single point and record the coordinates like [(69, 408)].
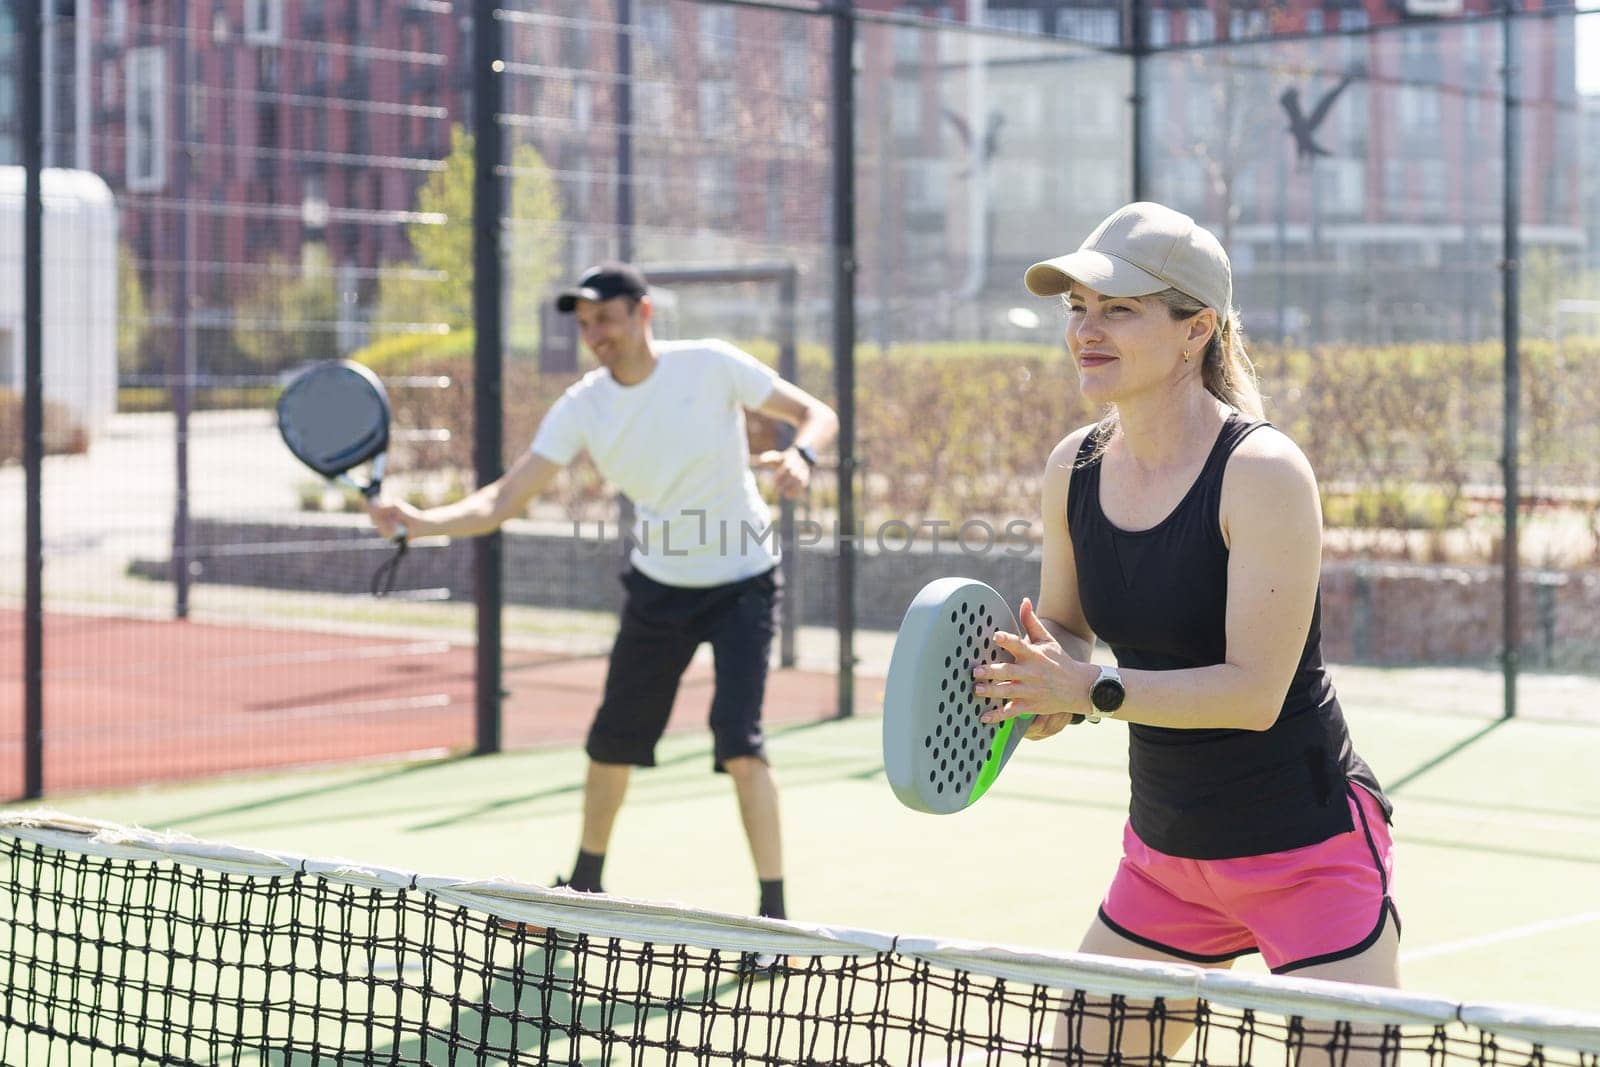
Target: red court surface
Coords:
[(128, 701)]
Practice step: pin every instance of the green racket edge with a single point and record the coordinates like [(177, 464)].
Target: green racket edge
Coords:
[(997, 757)]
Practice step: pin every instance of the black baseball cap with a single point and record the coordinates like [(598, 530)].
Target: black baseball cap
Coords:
[(604, 281)]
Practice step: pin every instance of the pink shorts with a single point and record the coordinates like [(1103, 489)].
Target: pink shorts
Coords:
[(1298, 908)]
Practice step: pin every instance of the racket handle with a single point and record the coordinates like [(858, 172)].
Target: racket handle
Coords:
[(399, 533)]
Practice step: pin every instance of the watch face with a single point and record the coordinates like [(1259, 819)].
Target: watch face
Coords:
[(1107, 694)]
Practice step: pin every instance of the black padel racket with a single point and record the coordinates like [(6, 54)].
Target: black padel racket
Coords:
[(938, 756), (334, 416)]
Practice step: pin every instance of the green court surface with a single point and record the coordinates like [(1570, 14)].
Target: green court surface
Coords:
[(1497, 824)]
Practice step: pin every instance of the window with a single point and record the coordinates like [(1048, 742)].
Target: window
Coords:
[(263, 21), (110, 84), (1160, 28), (314, 202), (1021, 20), (1419, 112), (1200, 25), (655, 29), (652, 105), (1434, 181), (776, 199), (906, 104), (716, 109), (1353, 119), (1346, 185), (582, 105), (575, 46), (197, 111), (794, 61), (717, 37), (268, 66), (717, 192), (146, 117), (117, 22), (1094, 27), (908, 43), (926, 186)]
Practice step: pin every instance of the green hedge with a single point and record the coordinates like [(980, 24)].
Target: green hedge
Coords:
[(1401, 436)]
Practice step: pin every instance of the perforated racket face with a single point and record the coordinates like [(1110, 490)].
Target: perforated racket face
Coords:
[(334, 416), (937, 755)]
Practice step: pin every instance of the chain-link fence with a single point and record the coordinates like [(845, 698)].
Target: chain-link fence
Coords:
[(234, 189)]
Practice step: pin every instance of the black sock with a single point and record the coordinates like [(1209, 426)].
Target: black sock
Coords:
[(772, 899), (586, 872)]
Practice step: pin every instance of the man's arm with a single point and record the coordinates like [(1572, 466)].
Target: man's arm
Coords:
[(815, 426), (480, 512)]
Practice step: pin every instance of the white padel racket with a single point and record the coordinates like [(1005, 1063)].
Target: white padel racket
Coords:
[(938, 756)]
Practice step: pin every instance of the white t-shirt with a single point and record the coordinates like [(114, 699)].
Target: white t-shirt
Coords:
[(675, 444)]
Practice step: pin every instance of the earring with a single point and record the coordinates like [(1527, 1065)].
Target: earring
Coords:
[(1186, 355)]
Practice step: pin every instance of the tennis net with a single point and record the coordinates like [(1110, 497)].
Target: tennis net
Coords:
[(126, 946)]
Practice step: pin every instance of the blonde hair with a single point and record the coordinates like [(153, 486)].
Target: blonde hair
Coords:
[(1225, 366)]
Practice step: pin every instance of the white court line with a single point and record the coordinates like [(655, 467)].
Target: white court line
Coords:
[(261, 659), (1516, 933)]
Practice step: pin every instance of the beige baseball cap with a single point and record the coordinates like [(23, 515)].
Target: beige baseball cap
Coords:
[(1142, 249)]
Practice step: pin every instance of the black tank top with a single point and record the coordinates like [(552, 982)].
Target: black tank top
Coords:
[(1159, 598)]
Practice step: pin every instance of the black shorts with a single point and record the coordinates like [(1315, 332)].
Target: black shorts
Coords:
[(662, 626)]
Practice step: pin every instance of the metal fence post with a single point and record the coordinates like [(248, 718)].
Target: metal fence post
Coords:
[(844, 332), (487, 415)]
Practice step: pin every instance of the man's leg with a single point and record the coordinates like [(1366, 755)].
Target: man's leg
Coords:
[(648, 658), (741, 644), (758, 807), (603, 791)]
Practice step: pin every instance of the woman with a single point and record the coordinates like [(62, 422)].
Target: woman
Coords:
[(1186, 533)]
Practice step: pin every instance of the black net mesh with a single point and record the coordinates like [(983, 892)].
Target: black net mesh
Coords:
[(141, 949)]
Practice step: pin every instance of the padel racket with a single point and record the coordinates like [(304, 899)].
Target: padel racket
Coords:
[(334, 416), (938, 756)]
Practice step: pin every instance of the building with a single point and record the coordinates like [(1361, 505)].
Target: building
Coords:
[(316, 122)]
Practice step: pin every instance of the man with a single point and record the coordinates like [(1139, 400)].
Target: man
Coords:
[(664, 423)]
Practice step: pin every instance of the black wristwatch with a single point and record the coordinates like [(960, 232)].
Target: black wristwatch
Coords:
[(1106, 695), (806, 454)]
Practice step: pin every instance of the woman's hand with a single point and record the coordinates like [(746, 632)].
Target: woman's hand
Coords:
[(1041, 680)]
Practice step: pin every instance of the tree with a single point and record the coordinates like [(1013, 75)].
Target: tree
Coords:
[(132, 323), (293, 317), (436, 287)]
